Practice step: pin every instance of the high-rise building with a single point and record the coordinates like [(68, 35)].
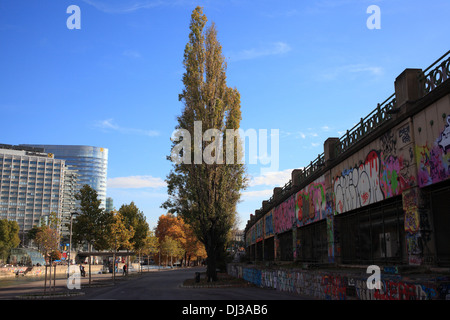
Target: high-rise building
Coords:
[(70, 188), (91, 164), (109, 204), (31, 186)]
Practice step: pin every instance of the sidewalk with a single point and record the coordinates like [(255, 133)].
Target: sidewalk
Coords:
[(35, 289)]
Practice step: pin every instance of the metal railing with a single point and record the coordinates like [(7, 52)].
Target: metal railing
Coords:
[(371, 122), (435, 74)]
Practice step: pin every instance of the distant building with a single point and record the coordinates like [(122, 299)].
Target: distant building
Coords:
[(70, 188), (109, 204), (91, 164), (31, 186)]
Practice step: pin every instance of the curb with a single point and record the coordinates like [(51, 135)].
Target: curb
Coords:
[(49, 296)]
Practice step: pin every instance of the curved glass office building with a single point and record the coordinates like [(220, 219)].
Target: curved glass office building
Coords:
[(91, 164)]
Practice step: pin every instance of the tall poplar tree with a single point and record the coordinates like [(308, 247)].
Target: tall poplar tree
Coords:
[(205, 194)]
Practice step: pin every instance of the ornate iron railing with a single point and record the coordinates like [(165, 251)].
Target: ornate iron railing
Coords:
[(435, 75), (371, 122)]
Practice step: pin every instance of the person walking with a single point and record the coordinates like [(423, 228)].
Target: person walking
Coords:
[(83, 273)]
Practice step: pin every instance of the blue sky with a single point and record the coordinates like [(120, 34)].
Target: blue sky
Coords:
[(310, 69)]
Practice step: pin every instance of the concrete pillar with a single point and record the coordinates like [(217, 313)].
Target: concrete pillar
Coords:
[(329, 149), (295, 177), (418, 224), (407, 87), (294, 242)]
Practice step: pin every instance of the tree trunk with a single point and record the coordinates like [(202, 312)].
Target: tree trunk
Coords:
[(211, 265), (90, 264)]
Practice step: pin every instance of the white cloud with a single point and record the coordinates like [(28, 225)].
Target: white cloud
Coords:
[(273, 178), (114, 6), (266, 194), (337, 72), (276, 48), (136, 182), (108, 124)]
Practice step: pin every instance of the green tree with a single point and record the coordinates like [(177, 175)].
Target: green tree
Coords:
[(135, 219), (151, 245), (47, 240), (119, 235), (91, 224), (31, 234), (9, 237), (171, 248), (205, 194)]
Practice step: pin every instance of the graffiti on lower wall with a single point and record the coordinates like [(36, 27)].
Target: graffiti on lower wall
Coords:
[(433, 162), (341, 286)]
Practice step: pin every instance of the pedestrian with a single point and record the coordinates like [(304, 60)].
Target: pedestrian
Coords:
[(124, 269), (83, 273)]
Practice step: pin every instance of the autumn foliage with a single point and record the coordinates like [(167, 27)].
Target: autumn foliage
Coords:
[(172, 228)]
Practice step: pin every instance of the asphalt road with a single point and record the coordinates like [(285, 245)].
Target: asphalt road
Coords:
[(166, 285)]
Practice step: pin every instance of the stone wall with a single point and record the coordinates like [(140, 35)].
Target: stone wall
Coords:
[(345, 285)]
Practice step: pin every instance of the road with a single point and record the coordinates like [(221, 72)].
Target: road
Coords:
[(166, 285)]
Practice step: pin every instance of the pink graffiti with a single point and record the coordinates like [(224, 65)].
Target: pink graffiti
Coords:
[(433, 165), (284, 215)]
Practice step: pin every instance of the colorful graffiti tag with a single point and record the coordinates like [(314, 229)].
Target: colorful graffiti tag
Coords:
[(284, 215), (433, 162), (268, 224), (359, 186), (311, 202), (342, 286), (259, 230), (381, 176)]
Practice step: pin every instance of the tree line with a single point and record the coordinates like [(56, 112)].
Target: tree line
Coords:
[(102, 230)]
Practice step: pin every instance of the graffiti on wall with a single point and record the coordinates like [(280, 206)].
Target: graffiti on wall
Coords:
[(268, 224), (358, 186), (284, 215), (383, 174), (311, 202), (338, 286), (259, 230), (411, 208), (433, 162)]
